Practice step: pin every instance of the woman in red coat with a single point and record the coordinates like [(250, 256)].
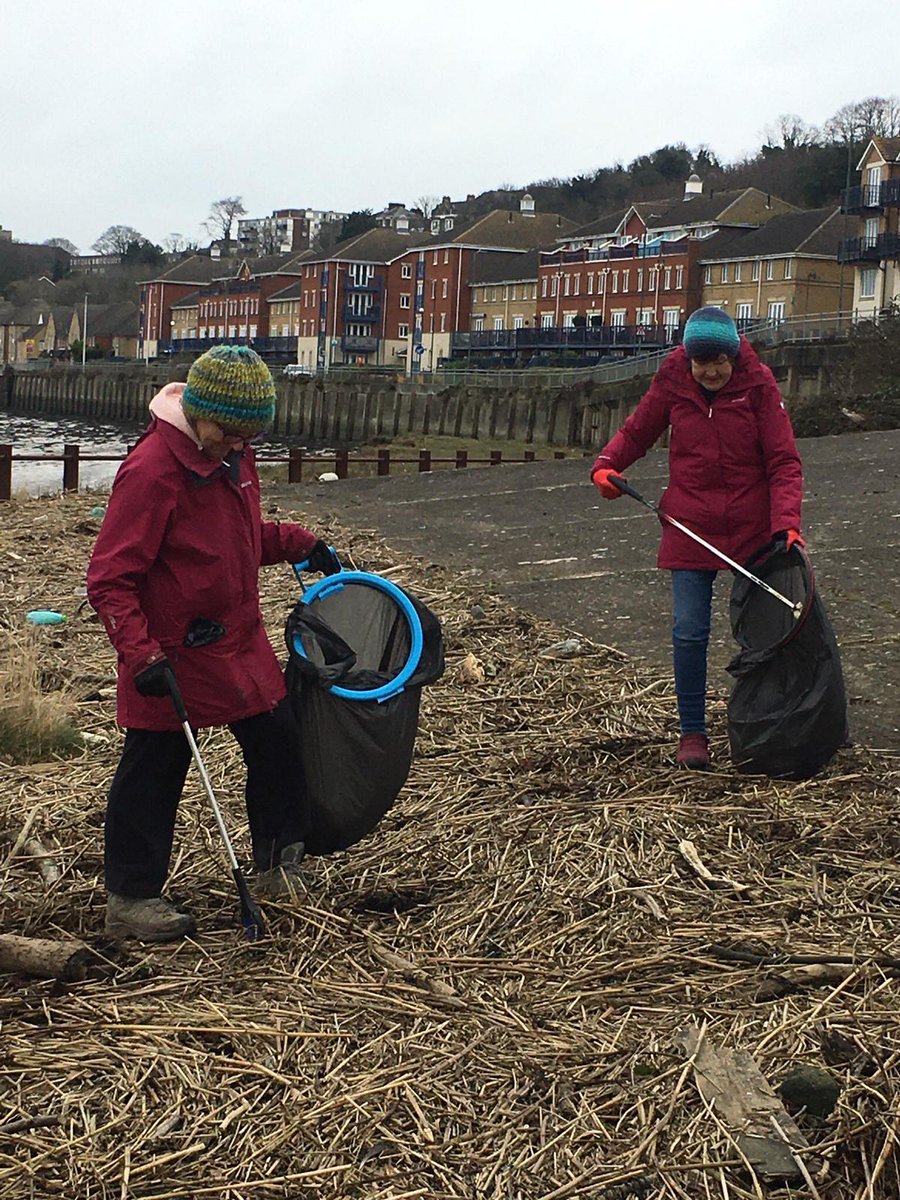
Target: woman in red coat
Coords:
[(734, 478), (174, 577)]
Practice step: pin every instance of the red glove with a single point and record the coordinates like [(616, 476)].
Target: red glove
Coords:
[(791, 538), (600, 480)]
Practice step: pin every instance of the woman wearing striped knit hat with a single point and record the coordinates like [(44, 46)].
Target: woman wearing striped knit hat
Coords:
[(735, 478), (174, 577)]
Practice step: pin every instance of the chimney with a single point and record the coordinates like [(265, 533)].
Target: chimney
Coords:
[(693, 187), (526, 205)]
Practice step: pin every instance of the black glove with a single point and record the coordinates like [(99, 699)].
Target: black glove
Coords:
[(323, 558), (154, 680)]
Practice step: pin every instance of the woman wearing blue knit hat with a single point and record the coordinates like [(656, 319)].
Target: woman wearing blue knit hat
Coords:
[(174, 577), (735, 479)]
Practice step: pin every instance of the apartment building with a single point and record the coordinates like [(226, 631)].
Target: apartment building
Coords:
[(872, 251), (284, 231), (787, 268)]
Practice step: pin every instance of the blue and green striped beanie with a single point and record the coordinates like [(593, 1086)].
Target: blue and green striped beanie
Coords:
[(232, 386), (709, 332)]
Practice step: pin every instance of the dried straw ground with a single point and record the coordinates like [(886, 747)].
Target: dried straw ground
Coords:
[(484, 998)]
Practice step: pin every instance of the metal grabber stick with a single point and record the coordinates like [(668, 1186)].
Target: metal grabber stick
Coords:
[(251, 917), (623, 485)]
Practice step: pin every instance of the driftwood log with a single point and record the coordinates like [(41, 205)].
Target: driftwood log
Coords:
[(43, 958)]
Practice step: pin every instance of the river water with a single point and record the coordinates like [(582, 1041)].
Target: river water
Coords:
[(47, 435)]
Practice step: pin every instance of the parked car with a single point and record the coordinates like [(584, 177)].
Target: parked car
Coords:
[(298, 369)]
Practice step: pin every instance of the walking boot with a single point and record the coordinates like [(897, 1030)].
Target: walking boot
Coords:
[(285, 880), (154, 920), (693, 751)]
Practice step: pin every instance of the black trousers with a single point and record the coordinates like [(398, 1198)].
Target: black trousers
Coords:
[(143, 799)]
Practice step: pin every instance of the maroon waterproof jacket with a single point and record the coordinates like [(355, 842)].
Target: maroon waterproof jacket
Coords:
[(181, 540), (734, 471)]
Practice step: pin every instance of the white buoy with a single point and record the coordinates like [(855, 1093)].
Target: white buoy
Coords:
[(328, 477)]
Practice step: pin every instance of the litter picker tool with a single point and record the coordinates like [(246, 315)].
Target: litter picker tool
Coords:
[(251, 917), (624, 486)]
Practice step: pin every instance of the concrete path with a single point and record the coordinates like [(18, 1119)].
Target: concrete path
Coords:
[(542, 535)]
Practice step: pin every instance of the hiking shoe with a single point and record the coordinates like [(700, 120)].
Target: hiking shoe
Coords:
[(693, 751), (154, 920), (285, 880)]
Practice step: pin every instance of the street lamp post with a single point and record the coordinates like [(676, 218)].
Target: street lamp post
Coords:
[(84, 333)]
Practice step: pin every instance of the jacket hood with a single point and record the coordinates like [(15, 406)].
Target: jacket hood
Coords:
[(749, 371), (166, 406)]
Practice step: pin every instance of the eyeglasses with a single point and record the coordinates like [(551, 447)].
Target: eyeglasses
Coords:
[(235, 435)]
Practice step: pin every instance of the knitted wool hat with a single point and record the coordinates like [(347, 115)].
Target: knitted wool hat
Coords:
[(710, 332), (232, 386)]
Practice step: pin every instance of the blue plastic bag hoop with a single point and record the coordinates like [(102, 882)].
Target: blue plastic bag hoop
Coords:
[(334, 583)]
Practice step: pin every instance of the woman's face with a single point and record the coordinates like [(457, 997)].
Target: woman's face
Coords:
[(218, 442), (712, 373)]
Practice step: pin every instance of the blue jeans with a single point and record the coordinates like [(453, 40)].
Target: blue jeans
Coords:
[(691, 616)]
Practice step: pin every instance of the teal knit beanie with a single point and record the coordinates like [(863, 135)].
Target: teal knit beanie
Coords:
[(710, 332), (232, 386)]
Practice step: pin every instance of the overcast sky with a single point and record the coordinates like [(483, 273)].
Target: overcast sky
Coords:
[(144, 114)]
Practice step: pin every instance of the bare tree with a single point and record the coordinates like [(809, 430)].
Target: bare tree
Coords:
[(222, 216), (876, 116), (62, 244), (427, 204), (791, 132), (117, 239), (175, 243)]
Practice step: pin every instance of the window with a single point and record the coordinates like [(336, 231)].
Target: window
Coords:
[(743, 312), (788, 268), (867, 283), (770, 269), (576, 290), (544, 286), (873, 228), (626, 280), (640, 279), (444, 290), (590, 284), (569, 320), (443, 322), (446, 256), (615, 285), (546, 320), (479, 324), (707, 274), (667, 279), (232, 331), (754, 271), (404, 299), (518, 322), (406, 270), (737, 272), (775, 312), (434, 259), (498, 324), (653, 279), (724, 272), (554, 285), (514, 289), (679, 278), (617, 318)]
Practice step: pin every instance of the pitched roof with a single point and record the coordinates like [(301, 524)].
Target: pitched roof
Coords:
[(113, 320), (608, 223), (189, 301), (291, 292), (512, 230), (503, 266), (378, 245), (812, 231), (198, 268), (887, 147)]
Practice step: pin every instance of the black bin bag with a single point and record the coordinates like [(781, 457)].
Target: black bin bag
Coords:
[(787, 712), (352, 636)]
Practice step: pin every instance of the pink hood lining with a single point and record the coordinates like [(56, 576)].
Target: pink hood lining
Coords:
[(166, 406)]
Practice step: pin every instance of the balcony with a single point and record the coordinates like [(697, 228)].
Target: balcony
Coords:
[(374, 283), (363, 316), (596, 338), (869, 249), (861, 198), (359, 345), (890, 193)]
